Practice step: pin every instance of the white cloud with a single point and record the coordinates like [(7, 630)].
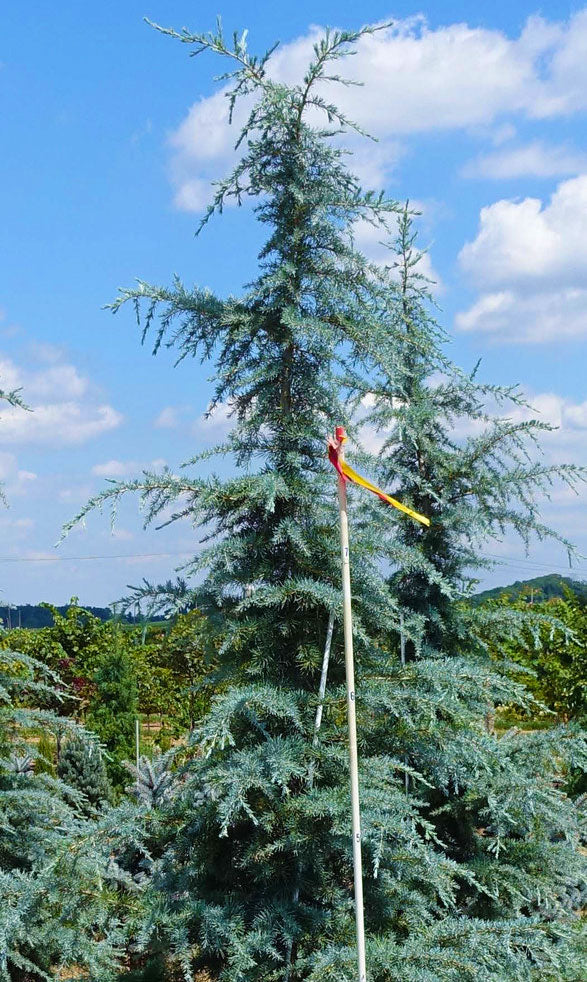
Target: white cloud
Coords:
[(514, 316), (414, 80), (65, 409), (15, 479), (215, 427), (124, 468), (59, 381), (57, 424), (111, 468), (576, 416), (168, 418), (530, 259), (121, 535), (7, 465), (535, 159)]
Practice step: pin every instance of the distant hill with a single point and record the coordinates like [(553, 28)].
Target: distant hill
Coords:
[(539, 588)]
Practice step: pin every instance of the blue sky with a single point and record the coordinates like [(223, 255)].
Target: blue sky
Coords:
[(110, 135)]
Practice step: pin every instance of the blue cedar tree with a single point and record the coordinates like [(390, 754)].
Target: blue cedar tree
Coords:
[(61, 891), (252, 876), (81, 766)]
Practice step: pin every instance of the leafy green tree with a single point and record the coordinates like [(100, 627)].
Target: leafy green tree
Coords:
[(556, 661), (189, 653), (468, 865), (113, 711), (81, 766), (84, 639), (72, 647), (157, 690)]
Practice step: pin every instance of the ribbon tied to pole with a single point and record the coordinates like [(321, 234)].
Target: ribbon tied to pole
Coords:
[(348, 473)]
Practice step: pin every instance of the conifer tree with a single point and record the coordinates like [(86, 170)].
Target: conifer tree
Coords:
[(468, 455), (61, 890), (81, 766), (252, 878)]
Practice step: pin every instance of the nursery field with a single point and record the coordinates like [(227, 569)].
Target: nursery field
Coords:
[(112, 674)]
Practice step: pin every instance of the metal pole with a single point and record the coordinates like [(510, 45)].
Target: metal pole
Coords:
[(323, 678), (322, 690), (402, 656), (352, 721), (137, 745)]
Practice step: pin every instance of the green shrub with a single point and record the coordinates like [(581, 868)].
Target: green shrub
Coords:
[(113, 711)]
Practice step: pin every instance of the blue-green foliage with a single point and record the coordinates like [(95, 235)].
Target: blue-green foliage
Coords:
[(81, 766), (61, 890), (470, 845)]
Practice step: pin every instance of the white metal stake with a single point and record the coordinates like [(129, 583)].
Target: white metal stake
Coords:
[(137, 746), (352, 721), (402, 656), (322, 690), (323, 678)]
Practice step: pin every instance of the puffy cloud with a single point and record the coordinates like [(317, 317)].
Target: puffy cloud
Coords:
[(124, 468), (111, 468), (57, 424), (414, 80), (576, 416), (534, 159), (216, 427), (530, 259), (17, 480), (65, 409), (60, 381), (168, 418), (511, 315), (526, 241)]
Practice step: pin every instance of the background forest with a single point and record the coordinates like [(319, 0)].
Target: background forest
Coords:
[(223, 854)]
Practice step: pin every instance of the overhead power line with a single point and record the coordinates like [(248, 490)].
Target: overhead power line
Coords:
[(513, 561), (85, 559)]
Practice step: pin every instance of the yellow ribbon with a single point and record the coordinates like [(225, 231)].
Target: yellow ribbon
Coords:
[(352, 475)]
